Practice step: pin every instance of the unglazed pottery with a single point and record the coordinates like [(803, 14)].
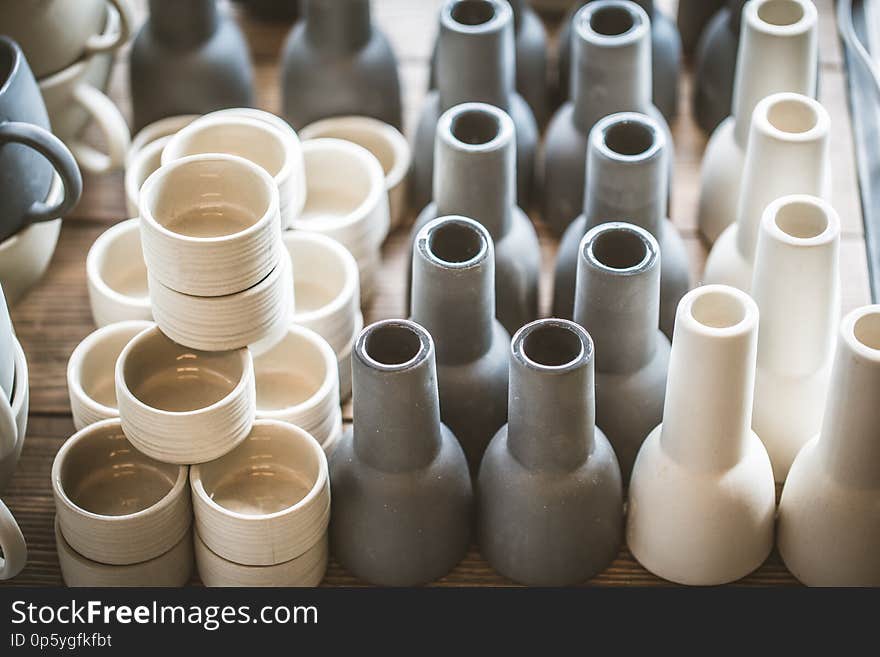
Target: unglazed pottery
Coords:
[(265, 502), (112, 519), (829, 524), (617, 301), (382, 140), (785, 33), (665, 44), (211, 401), (701, 496), (337, 62), (171, 569), (627, 179), (612, 49), (475, 178), (13, 419), (475, 64), (117, 275), (787, 154), (692, 17), (453, 298), (210, 225), (12, 544), (402, 501), (91, 370), (188, 58), (796, 285)]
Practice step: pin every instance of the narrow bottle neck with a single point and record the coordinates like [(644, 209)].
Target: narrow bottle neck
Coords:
[(182, 24), (338, 26)]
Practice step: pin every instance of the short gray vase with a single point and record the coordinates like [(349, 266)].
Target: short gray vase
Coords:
[(613, 54), (627, 180), (475, 63), (453, 297), (337, 62), (402, 503), (550, 497), (188, 58), (475, 165), (618, 303)]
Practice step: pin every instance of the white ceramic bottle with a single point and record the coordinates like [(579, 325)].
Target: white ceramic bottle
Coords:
[(796, 285), (701, 496), (829, 514), (777, 52), (787, 154)]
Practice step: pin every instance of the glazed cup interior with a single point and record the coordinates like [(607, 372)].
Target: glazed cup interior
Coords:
[(318, 276), (290, 373), (339, 183), (391, 150), (121, 265), (97, 367)]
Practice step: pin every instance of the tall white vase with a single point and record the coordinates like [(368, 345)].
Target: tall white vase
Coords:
[(796, 285), (701, 497), (777, 52), (829, 514), (787, 154)]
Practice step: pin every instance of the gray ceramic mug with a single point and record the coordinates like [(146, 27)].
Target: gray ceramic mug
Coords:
[(29, 152)]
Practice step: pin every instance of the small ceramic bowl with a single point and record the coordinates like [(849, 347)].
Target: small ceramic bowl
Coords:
[(210, 225), (180, 405), (140, 166), (383, 141), (91, 372), (298, 382), (157, 130), (117, 276), (258, 314), (18, 416), (267, 501), (171, 569), (307, 570), (115, 505)]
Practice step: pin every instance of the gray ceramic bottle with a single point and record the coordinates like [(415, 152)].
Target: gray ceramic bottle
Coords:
[(618, 303), (550, 498), (666, 57), (337, 62), (613, 54), (627, 179), (188, 58), (475, 63), (692, 18), (402, 501), (453, 297), (475, 177)]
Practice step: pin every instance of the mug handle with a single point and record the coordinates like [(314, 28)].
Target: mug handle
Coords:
[(54, 150), (111, 123), (8, 427), (107, 42), (13, 544)]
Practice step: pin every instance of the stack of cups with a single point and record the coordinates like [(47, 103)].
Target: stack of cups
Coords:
[(262, 510)]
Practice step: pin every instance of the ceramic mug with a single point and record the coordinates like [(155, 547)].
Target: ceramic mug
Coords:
[(55, 33), (13, 419), (29, 152), (12, 543)]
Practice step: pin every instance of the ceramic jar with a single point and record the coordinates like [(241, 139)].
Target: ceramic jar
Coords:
[(475, 176), (787, 154), (829, 530), (550, 504), (617, 301), (337, 62), (796, 285), (627, 178), (402, 505), (453, 297), (612, 50), (701, 496), (785, 33), (665, 44), (476, 63), (188, 58), (692, 17)]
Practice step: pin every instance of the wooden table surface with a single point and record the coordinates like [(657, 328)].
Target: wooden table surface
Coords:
[(55, 315)]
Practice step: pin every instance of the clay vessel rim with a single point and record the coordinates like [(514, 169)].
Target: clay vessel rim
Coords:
[(424, 239), (599, 136), (420, 355), (832, 221), (502, 15), (584, 355), (761, 118), (95, 257), (583, 27), (738, 303), (652, 248), (806, 22), (504, 136), (849, 329)]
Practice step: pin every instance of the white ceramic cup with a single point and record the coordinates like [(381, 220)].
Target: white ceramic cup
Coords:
[(267, 501), (13, 419), (166, 127), (12, 543), (7, 349), (382, 140), (179, 414), (116, 275), (210, 225), (114, 519), (91, 372)]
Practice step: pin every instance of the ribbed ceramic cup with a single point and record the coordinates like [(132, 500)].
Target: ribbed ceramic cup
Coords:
[(13, 419), (114, 519), (188, 414), (117, 276), (267, 501)]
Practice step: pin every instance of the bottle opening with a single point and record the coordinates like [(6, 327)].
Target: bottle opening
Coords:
[(792, 115), (456, 242), (781, 12), (867, 330), (475, 127), (552, 344), (612, 21), (473, 12), (392, 343), (619, 248), (629, 137), (802, 220), (718, 309)]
